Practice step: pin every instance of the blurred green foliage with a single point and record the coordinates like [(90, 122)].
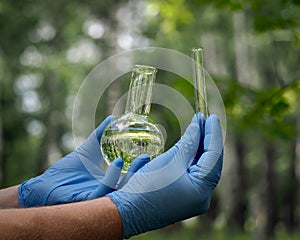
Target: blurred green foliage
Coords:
[(251, 49)]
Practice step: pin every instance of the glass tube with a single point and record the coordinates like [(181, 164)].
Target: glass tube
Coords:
[(199, 81)]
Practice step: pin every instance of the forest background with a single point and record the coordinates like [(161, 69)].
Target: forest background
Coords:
[(252, 51)]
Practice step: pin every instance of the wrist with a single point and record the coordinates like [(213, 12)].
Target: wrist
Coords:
[(137, 214), (9, 197)]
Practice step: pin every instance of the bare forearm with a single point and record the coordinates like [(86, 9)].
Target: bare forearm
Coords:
[(96, 219), (9, 197)]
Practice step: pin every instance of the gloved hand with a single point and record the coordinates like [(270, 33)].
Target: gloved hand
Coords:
[(77, 176), (173, 186)]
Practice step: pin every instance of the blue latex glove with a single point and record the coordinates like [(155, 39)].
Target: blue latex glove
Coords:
[(77, 176), (173, 186)]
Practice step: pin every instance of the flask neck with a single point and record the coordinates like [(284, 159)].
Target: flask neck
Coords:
[(140, 90)]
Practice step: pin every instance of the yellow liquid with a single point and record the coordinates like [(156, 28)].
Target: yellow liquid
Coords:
[(129, 144)]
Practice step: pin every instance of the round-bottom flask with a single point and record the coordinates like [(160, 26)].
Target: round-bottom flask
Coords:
[(134, 133)]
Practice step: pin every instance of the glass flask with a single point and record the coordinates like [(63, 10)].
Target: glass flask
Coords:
[(134, 133)]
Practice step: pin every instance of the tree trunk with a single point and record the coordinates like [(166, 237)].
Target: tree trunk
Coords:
[(264, 198), (245, 59), (270, 180), (49, 150), (233, 187), (1, 123), (291, 218), (1, 141), (241, 187), (245, 73)]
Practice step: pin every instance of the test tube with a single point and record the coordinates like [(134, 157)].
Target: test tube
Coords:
[(199, 81)]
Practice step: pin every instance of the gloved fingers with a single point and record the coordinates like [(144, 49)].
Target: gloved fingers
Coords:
[(182, 152), (89, 152), (189, 142), (113, 172), (213, 139), (91, 144), (100, 191), (99, 130), (138, 163), (110, 179), (201, 121), (211, 161)]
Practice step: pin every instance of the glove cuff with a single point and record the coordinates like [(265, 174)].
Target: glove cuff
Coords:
[(134, 219), (125, 212), (20, 195)]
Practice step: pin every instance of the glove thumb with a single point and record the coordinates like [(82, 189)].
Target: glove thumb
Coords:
[(99, 130), (186, 148), (138, 163), (109, 181)]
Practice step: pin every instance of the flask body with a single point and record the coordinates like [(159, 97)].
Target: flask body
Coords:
[(130, 136)]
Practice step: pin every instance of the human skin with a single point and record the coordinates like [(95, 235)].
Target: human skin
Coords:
[(9, 197), (94, 219)]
